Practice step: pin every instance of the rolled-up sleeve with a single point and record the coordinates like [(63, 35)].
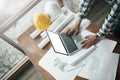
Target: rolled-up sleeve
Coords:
[(84, 8), (110, 20)]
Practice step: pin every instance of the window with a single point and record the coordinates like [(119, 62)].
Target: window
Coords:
[(11, 19)]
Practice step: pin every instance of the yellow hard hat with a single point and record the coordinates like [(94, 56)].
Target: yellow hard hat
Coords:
[(41, 21)]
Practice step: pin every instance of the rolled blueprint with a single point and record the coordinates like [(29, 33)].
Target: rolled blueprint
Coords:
[(64, 23), (58, 21), (66, 10), (83, 55), (43, 43), (34, 34), (43, 34)]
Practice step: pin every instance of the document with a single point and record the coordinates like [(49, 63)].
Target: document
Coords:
[(102, 63), (49, 64)]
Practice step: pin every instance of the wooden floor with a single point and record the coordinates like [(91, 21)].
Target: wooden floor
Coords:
[(31, 74), (99, 11)]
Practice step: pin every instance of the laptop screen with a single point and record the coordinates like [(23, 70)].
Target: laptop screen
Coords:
[(56, 42)]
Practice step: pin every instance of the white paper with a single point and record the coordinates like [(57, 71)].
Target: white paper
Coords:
[(102, 63), (47, 62)]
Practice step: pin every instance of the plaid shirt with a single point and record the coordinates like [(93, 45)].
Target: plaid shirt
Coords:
[(111, 19)]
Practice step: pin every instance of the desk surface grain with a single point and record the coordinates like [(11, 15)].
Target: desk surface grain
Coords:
[(29, 45)]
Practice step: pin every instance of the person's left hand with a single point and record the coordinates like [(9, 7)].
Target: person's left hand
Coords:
[(89, 41)]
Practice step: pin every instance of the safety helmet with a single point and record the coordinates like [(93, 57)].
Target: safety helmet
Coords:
[(41, 21)]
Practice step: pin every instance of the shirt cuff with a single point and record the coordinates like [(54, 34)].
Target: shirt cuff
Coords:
[(80, 16), (100, 36)]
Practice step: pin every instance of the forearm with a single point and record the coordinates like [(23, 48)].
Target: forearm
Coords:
[(84, 9), (78, 22)]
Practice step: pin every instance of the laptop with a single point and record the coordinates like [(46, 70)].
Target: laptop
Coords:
[(63, 43)]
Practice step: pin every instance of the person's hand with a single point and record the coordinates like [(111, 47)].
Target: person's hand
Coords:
[(74, 30), (89, 41)]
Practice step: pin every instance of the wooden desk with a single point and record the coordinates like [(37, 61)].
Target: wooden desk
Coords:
[(29, 45)]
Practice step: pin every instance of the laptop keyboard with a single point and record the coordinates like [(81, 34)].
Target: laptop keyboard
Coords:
[(68, 42)]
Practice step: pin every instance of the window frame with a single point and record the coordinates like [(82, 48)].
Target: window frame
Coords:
[(6, 26)]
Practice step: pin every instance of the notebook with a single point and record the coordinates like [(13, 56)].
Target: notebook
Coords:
[(63, 43)]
